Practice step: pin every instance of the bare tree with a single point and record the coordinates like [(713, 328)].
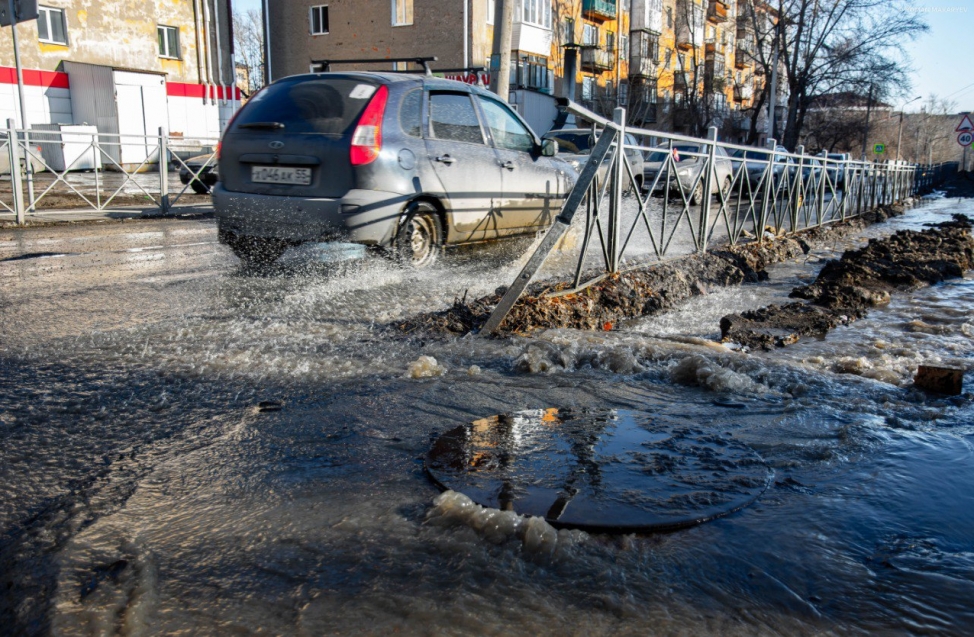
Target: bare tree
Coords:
[(248, 41), (832, 46)]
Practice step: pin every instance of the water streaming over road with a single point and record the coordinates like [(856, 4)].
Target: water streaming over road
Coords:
[(143, 491)]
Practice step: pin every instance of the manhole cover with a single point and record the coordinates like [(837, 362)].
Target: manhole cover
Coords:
[(599, 470)]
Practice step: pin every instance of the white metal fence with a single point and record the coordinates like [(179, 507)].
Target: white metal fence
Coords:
[(707, 194), (79, 172)]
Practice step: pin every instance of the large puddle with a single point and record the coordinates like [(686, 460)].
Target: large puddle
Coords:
[(143, 491)]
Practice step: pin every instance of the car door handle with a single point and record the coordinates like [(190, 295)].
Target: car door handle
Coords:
[(446, 159), (508, 164)]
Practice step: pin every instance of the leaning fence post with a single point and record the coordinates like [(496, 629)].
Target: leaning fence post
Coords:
[(15, 177), (708, 187), (163, 171), (619, 171)]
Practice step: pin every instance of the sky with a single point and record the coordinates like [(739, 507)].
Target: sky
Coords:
[(943, 57)]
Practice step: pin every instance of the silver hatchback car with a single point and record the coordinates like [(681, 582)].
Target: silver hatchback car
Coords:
[(689, 160), (404, 163)]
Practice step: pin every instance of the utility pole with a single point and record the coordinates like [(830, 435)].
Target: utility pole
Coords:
[(865, 134), (14, 18), (772, 98), (500, 83), (899, 134), (618, 53)]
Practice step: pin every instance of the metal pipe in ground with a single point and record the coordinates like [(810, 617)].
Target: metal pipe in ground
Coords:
[(15, 177)]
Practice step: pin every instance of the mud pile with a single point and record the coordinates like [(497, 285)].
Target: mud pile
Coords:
[(638, 292), (846, 288)]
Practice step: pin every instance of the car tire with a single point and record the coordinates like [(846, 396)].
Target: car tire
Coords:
[(697, 195), (199, 187), (254, 251), (726, 190), (419, 240)]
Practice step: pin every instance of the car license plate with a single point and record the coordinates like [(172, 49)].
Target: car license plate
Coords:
[(280, 175)]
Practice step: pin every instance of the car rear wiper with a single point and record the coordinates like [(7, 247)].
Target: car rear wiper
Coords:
[(262, 125)]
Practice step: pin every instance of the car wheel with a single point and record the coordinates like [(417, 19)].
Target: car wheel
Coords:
[(254, 251), (725, 191), (199, 187), (420, 237), (697, 195)]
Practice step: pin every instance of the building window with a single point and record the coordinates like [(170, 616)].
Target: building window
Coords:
[(623, 47), (590, 34), (669, 17), (50, 26), (568, 31), (319, 20), (402, 13), (168, 42), (610, 41), (588, 88), (536, 12)]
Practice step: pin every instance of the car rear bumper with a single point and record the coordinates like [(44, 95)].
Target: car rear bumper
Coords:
[(362, 216)]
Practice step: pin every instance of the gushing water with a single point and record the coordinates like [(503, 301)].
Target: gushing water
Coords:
[(143, 490)]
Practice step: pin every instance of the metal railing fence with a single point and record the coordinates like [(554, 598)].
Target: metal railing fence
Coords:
[(101, 171), (706, 194)]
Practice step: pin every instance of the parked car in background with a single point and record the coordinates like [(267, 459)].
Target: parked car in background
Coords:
[(835, 167), (35, 152), (689, 161), (206, 170), (576, 144), (404, 163), (811, 172), (756, 163)]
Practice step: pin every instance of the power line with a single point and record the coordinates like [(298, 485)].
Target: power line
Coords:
[(963, 88)]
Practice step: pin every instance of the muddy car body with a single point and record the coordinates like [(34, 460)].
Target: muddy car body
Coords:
[(401, 162)]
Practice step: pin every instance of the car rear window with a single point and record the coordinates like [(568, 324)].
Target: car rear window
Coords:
[(328, 105)]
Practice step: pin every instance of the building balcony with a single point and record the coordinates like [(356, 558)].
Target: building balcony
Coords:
[(595, 60), (742, 93), (741, 57), (599, 9), (717, 11), (681, 80), (714, 67), (712, 49), (643, 67)]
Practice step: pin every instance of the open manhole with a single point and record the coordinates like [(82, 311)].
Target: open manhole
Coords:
[(599, 470)]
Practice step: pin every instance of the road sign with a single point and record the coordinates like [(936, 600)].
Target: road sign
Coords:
[(965, 125), (879, 149), (24, 10), (965, 138)]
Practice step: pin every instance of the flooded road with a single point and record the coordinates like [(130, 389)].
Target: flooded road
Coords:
[(143, 490)]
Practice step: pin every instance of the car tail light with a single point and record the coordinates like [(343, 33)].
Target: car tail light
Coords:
[(219, 144), (367, 138)]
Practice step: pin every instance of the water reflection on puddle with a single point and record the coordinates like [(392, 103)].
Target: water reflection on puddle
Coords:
[(599, 469)]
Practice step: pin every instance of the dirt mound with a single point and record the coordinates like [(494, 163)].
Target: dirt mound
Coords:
[(638, 292), (846, 288)]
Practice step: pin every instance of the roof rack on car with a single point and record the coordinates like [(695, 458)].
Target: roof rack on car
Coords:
[(325, 65)]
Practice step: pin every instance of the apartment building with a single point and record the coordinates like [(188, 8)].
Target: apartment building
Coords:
[(694, 64), (677, 65), (125, 67), (563, 47)]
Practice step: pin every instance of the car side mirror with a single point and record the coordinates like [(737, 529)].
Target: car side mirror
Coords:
[(549, 148)]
